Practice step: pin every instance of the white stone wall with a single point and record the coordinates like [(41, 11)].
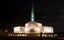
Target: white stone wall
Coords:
[(19, 29), (48, 29), (16, 29), (36, 27)]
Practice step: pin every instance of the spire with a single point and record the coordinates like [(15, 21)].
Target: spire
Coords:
[(32, 13)]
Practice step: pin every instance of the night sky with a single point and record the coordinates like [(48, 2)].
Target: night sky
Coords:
[(17, 12)]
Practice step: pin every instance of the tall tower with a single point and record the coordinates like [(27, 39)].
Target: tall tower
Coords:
[(32, 13)]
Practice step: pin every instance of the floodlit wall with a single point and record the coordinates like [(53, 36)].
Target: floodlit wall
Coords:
[(48, 29), (22, 30), (16, 29), (39, 24), (19, 29), (33, 26), (37, 28)]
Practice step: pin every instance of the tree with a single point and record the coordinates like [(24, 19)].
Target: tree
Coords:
[(1, 31)]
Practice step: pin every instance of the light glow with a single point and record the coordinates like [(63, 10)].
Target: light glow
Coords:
[(48, 29), (32, 14)]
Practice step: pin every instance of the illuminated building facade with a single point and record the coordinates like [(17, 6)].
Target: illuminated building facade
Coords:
[(33, 27)]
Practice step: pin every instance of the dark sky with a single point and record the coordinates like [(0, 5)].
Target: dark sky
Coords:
[(47, 12)]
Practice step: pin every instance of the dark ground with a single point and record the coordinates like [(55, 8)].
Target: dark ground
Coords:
[(27, 38)]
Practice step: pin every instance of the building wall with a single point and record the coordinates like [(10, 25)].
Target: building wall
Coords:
[(48, 29), (33, 28)]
